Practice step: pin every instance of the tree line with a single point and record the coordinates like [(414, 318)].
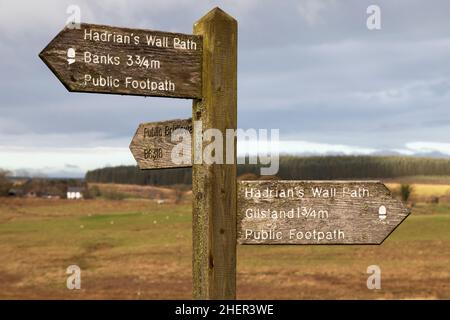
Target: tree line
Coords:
[(291, 167)]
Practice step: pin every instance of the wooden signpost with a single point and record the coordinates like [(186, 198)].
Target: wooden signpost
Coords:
[(153, 148), (105, 59), (316, 212), (203, 66), (214, 185)]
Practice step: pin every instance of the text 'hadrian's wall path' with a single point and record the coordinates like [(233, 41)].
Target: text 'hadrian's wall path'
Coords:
[(316, 212), (105, 59)]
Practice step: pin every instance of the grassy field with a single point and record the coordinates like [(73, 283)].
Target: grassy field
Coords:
[(424, 190), (138, 249)]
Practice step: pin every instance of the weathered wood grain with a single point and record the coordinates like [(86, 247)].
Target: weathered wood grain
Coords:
[(357, 216), (180, 66), (214, 185), (152, 144)]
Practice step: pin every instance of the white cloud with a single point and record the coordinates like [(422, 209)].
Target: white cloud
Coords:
[(429, 147), (311, 10), (24, 19), (300, 147), (49, 160)]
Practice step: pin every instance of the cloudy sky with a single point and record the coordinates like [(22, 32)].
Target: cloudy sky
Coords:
[(310, 68)]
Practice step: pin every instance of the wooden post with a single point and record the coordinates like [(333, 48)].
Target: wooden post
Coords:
[(214, 185)]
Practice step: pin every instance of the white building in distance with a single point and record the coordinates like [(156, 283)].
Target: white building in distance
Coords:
[(74, 193)]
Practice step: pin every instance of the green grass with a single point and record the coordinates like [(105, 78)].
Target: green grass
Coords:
[(128, 246), (423, 228)]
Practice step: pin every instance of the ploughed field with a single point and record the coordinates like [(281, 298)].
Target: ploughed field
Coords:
[(141, 249)]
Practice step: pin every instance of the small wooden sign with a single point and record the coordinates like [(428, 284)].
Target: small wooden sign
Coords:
[(153, 148), (316, 212), (106, 59)]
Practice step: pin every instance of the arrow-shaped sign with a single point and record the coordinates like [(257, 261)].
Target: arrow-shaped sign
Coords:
[(153, 146), (316, 212), (105, 59)]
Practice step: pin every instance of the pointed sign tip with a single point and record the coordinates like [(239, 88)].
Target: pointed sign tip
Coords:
[(41, 55)]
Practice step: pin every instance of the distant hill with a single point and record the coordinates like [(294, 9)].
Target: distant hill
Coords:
[(291, 167)]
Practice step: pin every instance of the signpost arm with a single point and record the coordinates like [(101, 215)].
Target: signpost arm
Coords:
[(214, 185)]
